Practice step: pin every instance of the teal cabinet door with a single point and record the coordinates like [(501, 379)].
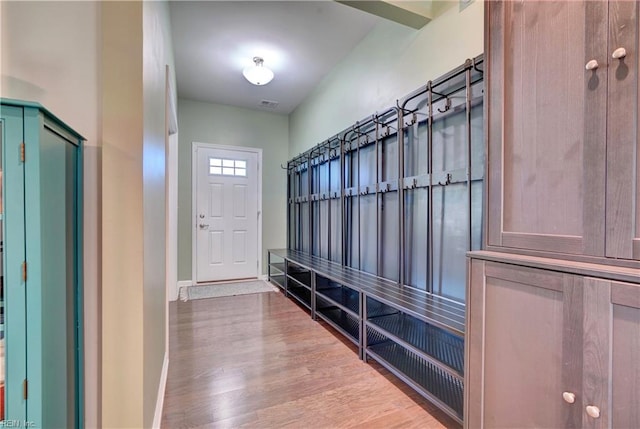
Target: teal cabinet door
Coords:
[(13, 341), (51, 206)]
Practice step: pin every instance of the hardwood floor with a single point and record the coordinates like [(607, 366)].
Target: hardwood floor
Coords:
[(259, 361)]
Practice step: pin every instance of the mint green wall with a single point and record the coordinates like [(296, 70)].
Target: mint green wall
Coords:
[(233, 126), (389, 63)]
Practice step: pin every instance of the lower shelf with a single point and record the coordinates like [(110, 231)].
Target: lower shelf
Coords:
[(278, 266), (277, 279), (301, 294), (436, 342), (343, 295), (343, 321), (435, 383), (377, 309)]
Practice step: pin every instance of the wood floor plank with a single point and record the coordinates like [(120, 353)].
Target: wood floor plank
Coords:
[(259, 361)]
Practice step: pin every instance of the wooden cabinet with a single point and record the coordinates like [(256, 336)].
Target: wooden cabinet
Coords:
[(553, 307), (546, 345), (562, 136), (42, 263)]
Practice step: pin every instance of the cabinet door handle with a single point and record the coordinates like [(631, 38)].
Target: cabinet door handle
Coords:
[(569, 397), (619, 53), (593, 411), (591, 65)]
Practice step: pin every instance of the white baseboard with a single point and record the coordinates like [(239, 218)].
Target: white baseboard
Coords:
[(181, 284), (157, 417), (264, 277)]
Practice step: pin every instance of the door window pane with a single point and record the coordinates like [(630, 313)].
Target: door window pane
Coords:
[(227, 167)]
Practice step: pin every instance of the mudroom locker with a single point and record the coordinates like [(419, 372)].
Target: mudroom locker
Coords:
[(380, 218)]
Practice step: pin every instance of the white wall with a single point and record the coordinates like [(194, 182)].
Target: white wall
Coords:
[(157, 54), (123, 311), (50, 54), (226, 125), (136, 48), (389, 63)]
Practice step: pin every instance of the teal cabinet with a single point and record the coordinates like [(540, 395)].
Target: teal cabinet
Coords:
[(41, 296)]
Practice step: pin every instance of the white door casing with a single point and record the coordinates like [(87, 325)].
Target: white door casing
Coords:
[(226, 216)]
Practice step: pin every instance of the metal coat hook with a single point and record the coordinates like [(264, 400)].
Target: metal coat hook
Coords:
[(447, 102), (447, 105), (447, 180), (475, 67), (414, 119)]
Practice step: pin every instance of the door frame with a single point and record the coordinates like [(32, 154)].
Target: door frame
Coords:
[(194, 177)]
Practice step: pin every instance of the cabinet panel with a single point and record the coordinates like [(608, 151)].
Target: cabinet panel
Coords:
[(623, 154), (14, 346), (543, 173), (625, 355), (595, 346), (524, 358), (611, 379)]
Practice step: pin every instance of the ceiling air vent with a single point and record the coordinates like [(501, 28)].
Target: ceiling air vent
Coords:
[(269, 104)]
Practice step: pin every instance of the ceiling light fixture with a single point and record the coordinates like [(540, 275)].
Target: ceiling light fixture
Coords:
[(258, 74)]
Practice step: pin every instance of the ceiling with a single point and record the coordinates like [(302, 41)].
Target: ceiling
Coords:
[(301, 41)]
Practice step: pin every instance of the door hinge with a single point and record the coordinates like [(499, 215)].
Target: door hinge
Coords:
[(25, 389), (22, 152), (24, 271)]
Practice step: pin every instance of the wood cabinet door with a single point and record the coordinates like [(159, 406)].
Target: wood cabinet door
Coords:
[(546, 125), (611, 354), (623, 142), (524, 336)]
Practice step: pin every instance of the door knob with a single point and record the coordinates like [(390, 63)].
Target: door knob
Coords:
[(569, 397), (203, 226), (591, 65), (593, 411), (619, 53)]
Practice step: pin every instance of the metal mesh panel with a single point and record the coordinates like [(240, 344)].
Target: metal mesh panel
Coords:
[(416, 229), (376, 309), (389, 155), (416, 150), (303, 294), (443, 386), (368, 234), (343, 295), (341, 318), (450, 240), (389, 238), (443, 346)]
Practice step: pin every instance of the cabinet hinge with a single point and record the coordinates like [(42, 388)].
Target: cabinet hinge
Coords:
[(22, 152), (24, 271), (25, 389)]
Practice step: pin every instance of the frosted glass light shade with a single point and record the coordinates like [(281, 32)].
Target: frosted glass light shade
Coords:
[(258, 74)]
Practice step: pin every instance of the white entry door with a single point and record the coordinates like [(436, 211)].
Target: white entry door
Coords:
[(226, 217)]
